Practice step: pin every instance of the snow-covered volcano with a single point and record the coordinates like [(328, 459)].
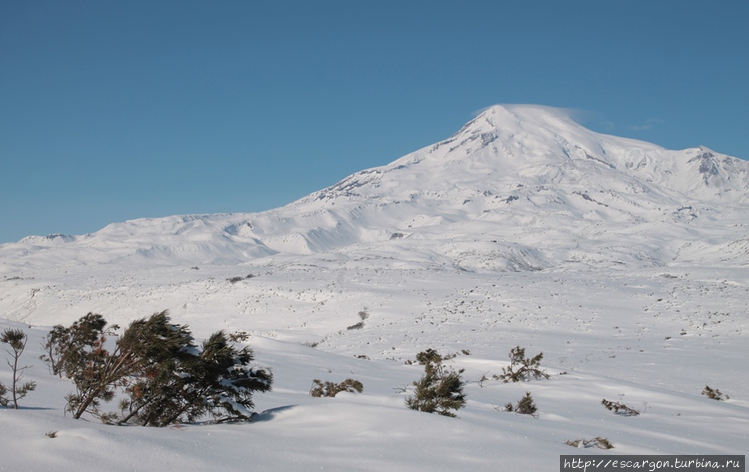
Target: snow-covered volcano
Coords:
[(517, 188)]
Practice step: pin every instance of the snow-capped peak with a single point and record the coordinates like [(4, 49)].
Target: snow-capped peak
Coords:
[(519, 186)]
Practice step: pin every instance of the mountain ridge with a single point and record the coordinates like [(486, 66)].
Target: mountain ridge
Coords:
[(515, 174)]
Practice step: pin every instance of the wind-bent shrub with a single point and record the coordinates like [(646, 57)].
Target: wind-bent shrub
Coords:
[(521, 368), (598, 441), (440, 390), (330, 389), (16, 339), (619, 408), (165, 376)]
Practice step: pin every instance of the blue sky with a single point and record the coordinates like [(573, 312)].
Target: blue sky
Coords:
[(116, 110)]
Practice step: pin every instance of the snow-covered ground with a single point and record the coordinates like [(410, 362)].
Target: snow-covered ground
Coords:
[(651, 339), (624, 263)]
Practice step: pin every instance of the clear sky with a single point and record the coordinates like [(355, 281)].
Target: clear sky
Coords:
[(113, 110)]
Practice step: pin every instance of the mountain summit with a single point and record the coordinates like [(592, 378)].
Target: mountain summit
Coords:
[(519, 187)]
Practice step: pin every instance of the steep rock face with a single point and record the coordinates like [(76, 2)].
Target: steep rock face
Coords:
[(517, 188)]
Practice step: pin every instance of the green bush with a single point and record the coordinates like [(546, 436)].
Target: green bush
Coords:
[(440, 390), (526, 406)]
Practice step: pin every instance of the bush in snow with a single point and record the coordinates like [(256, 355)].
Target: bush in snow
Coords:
[(440, 390), (619, 408), (714, 394), (330, 389), (598, 441), (526, 406), (156, 364), (522, 368), (184, 383), (16, 339)]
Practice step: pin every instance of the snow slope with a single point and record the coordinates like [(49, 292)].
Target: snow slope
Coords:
[(623, 262)]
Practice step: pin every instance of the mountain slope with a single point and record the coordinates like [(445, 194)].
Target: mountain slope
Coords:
[(518, 187)]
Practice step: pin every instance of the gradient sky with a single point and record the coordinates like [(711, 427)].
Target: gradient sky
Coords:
[(114, 110)]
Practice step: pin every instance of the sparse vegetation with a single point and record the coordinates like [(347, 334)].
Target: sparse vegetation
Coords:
[(598, 441), (16, 339), (330, 389), (234, 280), (363, 315), (619, 408), (715, 394), (440, 390), (521, 368)]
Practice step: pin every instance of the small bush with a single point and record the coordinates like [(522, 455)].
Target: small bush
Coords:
[(430, 356), (329, 389), (526, 406), (619, 408), (521, 368), (440, 390), (358, 325), (714, 394), (16, 339), (239, 336), (598, 441)]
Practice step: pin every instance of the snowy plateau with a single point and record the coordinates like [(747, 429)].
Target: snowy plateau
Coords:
[(625, 263)]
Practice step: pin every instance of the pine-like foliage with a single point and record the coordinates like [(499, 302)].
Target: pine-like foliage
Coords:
[(4, 401), (166, 378), (16, 339), (522, 368), (429, 356), (525, 406), (97, 375), (330, 389), (65, 348), (79, 352), (166, 350), (440, 390), (223, 383)]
